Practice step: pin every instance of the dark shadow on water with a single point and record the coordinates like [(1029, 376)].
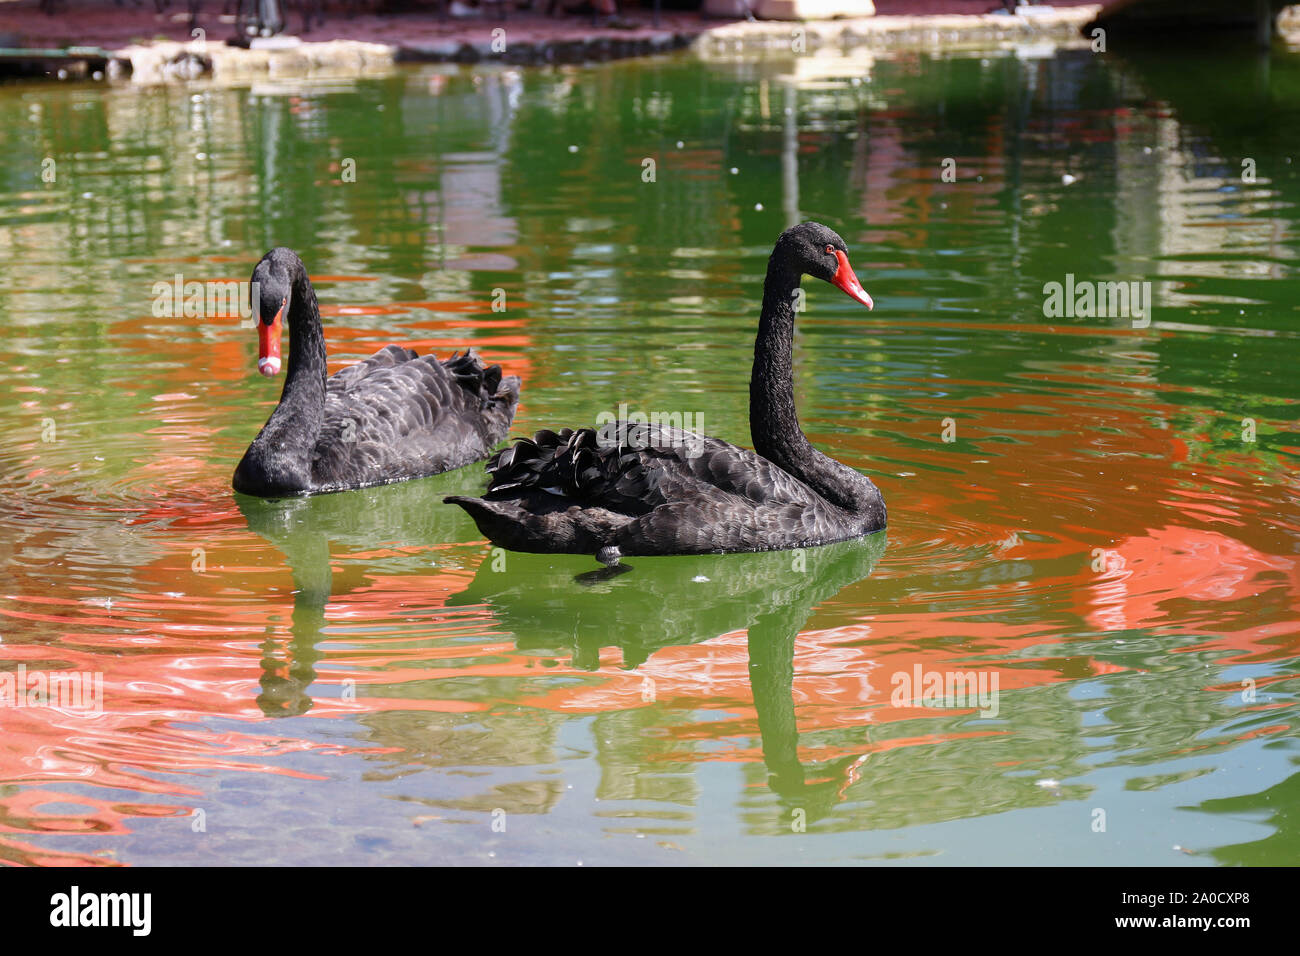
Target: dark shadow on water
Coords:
[(685, 600), (1225, 87), (602, 574)]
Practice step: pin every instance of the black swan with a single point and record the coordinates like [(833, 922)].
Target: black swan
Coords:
[(638, 489), (392, 417)]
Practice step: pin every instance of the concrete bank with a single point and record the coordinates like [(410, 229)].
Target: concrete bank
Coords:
[(167, 61), (524, 41), (1056, 26)]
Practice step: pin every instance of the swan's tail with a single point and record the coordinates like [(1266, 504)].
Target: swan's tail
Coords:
[(501, 408), (498, 394), (522, 526), (503, 523)]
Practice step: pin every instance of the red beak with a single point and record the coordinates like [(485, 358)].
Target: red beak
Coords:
[(846, 280), (268, 345)]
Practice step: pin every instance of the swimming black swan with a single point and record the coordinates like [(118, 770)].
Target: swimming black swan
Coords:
[(392, 417), (641, 489)]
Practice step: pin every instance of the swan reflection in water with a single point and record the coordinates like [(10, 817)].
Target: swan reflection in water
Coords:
[(682, 600), (546, 603), (406, 515)]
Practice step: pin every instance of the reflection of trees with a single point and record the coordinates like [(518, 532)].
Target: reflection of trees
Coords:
[(1222, 240)]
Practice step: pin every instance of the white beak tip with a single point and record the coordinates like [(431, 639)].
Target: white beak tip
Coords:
[(269, 367)]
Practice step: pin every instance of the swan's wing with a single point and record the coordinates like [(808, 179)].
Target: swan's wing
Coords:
[(634, 469), (654, 491), (398, 415), (658, 491)]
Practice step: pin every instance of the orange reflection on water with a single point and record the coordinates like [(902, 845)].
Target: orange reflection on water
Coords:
[(1055, 517)]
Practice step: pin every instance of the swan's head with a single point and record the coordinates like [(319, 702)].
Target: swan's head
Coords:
[(272, 289), (815, 250)]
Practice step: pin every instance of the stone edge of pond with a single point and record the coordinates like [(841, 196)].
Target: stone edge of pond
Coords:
[(172, 61), (1057, 26)]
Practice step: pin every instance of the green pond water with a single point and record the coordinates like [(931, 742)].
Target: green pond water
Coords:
[(1093, 516)]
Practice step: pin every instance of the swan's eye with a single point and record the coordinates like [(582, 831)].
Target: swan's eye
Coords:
[(831, 250)]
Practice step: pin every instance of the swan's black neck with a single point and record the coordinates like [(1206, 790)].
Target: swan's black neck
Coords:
[(303, 398), (773, 420), (280, 458)]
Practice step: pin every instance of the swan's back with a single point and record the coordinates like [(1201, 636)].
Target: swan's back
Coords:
[(634, 468), (659, 490), (398, 415)]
